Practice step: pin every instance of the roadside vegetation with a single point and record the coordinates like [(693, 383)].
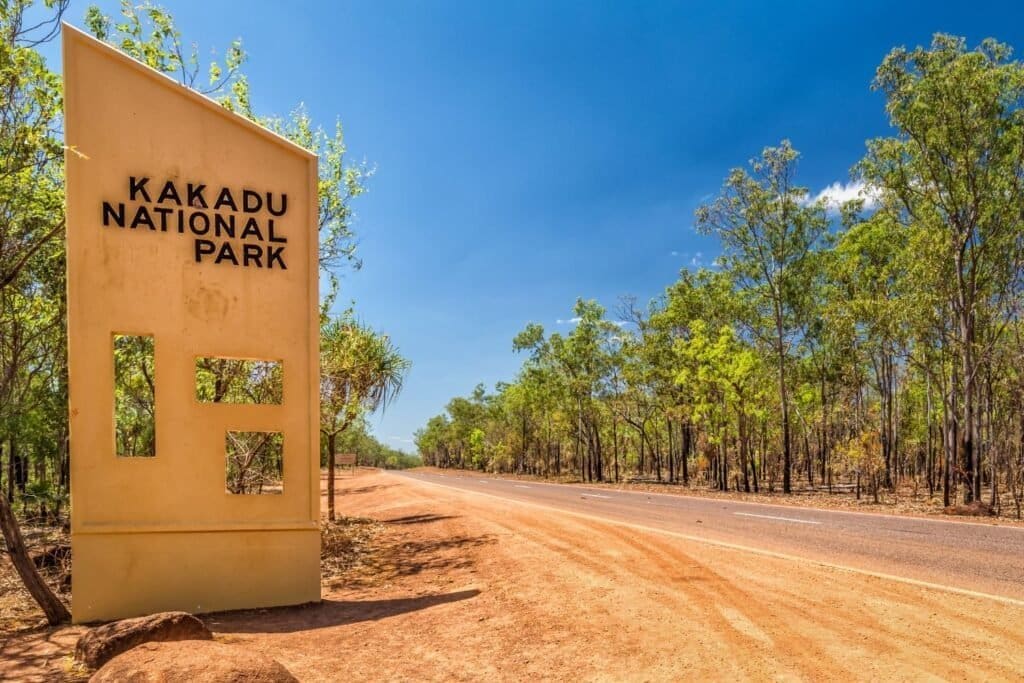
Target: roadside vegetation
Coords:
[(362, 368), (850, 347)]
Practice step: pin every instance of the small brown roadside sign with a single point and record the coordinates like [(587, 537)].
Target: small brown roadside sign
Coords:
[(344, 459)]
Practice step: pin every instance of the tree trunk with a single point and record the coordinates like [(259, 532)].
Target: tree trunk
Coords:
[(725, 463), (331, 440), (787, 456), (643, 440), (687, 447), (615, 447), (967, 456), (742, 429), (671, 453), (929, 442), (56, 612)]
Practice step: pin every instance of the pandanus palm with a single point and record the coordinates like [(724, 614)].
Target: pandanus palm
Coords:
[(360, 371)]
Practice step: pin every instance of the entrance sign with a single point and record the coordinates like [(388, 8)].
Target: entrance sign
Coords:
[(191, 248), (346, 459)]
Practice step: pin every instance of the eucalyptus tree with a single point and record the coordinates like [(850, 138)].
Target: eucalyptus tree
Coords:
[(868, 268), (724, 373), (768, 232), (544, 394), (468, 420), (433, 442), (31, 279), (633, 388), (953, 178), (582, 359)]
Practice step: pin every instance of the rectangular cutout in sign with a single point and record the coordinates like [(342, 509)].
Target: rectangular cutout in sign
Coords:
[(134, 396), (254, 463), (237, 380)]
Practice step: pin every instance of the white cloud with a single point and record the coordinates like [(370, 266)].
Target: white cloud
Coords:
[(576, 321), (697, 260), (837, 193), (673, 253), (400, 438)]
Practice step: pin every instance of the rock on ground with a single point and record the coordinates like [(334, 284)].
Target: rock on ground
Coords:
[(192, 662), (103, 643)]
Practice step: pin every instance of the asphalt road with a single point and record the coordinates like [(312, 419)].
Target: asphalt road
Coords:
[(965, 556)]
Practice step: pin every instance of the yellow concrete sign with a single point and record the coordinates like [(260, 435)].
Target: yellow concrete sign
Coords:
[(193, 348)]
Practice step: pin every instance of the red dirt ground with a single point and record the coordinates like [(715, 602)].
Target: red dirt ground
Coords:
[(458, 586)]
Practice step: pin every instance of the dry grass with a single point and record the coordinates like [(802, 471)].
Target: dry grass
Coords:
[(346, 545)]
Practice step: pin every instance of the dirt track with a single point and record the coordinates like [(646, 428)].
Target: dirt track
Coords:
[(468, 587)]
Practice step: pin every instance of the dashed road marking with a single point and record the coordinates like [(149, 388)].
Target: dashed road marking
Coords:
[(592, 495), (781, 519)]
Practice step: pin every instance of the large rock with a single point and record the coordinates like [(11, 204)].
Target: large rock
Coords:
[(103, 643), (192, 662)]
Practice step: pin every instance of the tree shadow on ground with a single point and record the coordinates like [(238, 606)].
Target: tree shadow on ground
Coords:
[(325, 614), (40, 654), (341, 491), (410, 558), (418, 519)]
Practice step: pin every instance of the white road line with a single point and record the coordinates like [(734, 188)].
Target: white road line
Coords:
[(484, 481), (781, 519), (520, 486), (706, 499), (592, 495)]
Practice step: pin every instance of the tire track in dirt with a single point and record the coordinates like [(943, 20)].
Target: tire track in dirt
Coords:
[(744, 621), (633, 571), (923, 635), (785, 611)]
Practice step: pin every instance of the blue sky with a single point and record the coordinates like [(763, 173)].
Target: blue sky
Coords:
[(529, 153)]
